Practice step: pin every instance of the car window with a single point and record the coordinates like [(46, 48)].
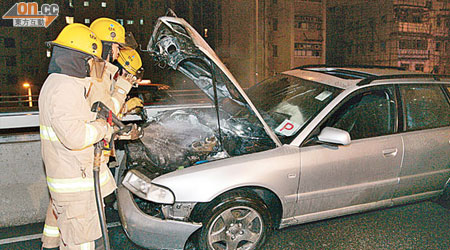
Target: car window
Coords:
[(425, 106), (368, 114), (289, 103)]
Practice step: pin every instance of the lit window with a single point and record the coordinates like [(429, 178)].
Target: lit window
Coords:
[(69, 19), (87, 20), (49, 53), (130, 21), (86, 3), (120, 21), (104, 4), (141, 21), (71, 3)]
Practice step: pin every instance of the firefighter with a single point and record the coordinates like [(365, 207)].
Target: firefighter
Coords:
[(114, 38), (109, 89), (130, 66), (68, 130)]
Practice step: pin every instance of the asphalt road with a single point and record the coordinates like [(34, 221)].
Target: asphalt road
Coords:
[(424, 225)]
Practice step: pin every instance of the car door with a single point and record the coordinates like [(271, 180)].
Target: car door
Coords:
[(366, 170), (426, 165)]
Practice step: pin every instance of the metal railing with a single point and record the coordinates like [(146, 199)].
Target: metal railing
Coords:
[(18, 101)]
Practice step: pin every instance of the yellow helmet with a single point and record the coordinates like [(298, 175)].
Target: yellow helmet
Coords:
[(109, 30), (131, 62), (79, 37)]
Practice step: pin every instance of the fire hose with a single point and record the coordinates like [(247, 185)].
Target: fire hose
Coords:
[(106, 114)]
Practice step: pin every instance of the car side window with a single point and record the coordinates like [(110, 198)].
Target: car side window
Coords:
[(425, 106), (367, 114)]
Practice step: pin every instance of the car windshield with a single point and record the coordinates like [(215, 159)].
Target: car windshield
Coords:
[(288, 103)]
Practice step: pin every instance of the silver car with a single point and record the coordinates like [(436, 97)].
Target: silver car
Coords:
[(308, 144)]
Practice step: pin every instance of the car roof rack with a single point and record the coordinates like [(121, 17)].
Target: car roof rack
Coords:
[(348, 66), (400, 76)]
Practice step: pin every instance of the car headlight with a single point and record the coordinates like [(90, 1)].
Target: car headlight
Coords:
[(141, 185)]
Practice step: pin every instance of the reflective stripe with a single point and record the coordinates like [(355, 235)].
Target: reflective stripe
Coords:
[(91, 135), (75, 184), (50, 231), (116, 105), (47, 133), (88, 246)]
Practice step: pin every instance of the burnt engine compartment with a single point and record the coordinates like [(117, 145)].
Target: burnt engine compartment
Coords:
[(186, 137)]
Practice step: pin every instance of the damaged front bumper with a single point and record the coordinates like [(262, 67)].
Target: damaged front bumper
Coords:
[(148, 231)]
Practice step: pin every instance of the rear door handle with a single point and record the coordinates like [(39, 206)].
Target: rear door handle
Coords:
[(392, 152)]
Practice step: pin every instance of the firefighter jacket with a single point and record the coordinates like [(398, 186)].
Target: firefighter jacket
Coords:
[(68, 131), (111, 90)]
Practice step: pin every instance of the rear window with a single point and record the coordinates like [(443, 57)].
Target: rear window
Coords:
[(425, 106)]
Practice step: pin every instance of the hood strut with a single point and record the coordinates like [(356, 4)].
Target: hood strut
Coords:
[(216, 103)]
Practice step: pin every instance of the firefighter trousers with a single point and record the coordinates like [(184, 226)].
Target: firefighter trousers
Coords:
[(72, 226)]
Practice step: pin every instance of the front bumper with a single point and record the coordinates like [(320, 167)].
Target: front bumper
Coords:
[(148, 231)]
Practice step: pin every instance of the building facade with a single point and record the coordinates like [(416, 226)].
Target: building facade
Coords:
[(413, 34), (260, 38)]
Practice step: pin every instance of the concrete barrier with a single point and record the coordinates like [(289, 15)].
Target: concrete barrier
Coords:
[(23, 188)]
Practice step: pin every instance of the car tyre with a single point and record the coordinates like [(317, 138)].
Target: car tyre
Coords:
[(238, 220)]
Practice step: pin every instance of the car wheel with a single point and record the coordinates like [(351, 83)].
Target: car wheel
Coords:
[(236, 221)]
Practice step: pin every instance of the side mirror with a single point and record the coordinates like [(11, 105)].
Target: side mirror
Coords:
[(334, 136)]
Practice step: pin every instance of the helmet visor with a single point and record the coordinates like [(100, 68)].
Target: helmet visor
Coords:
[(130, 42)]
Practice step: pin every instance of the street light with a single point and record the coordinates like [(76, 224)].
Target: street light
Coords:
[(30, 99)]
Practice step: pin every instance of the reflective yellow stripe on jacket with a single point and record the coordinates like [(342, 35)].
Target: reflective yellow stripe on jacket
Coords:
[(75, 184), (47, 133), (50, 231)]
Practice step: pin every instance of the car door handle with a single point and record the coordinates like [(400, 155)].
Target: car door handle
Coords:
[(392, 152)]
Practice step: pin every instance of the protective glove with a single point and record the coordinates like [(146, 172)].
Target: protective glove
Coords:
[(122, 85), (109, 130), (133, 103), (134, 133), (107, 147)]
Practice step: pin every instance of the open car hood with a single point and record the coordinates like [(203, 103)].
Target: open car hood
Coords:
[(174, 43), (186, 136)]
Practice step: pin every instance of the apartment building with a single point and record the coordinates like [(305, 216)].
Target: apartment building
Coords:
[(260, 38), (413, 34)]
